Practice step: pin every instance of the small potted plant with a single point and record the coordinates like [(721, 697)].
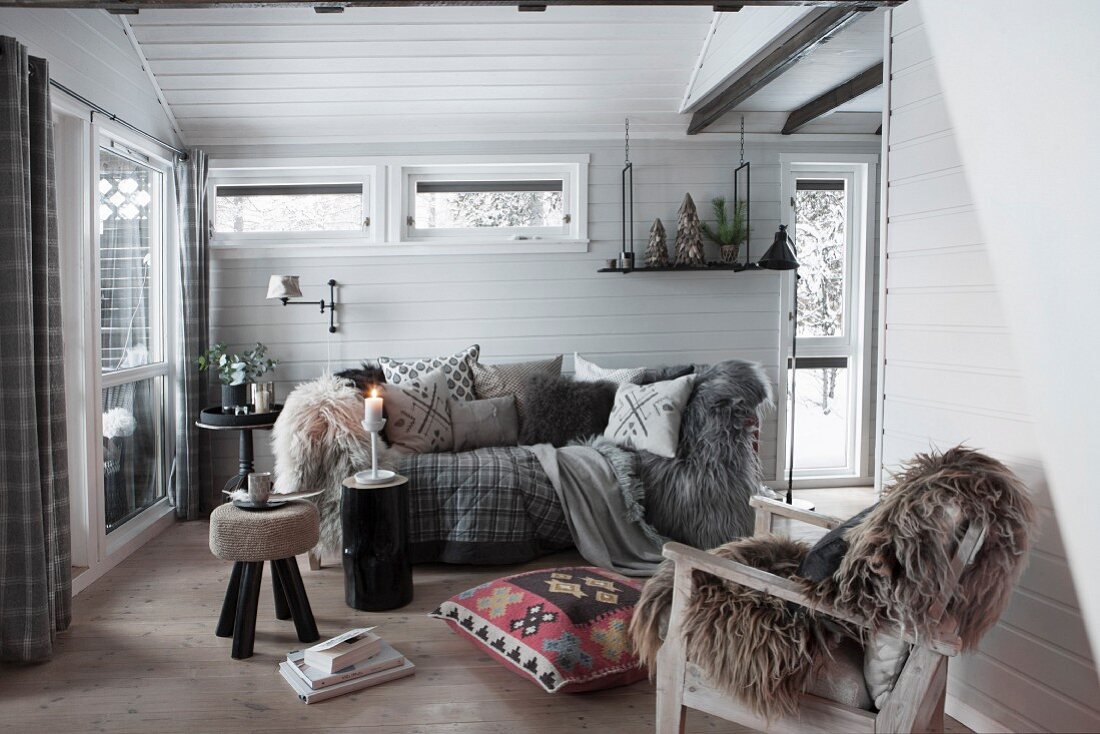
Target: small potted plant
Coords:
[(236, 371), (730, 228)]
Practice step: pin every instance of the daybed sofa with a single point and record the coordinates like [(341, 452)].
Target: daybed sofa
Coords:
[(500, 505)]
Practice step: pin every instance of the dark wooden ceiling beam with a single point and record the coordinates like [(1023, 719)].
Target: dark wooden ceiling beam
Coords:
[(859, 84), (772, 60), (132, 6)]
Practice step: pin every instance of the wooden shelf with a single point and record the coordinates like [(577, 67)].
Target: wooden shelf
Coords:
[(711, 266)]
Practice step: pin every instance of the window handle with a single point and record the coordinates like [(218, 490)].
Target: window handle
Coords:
[(567, 218), (410, 221), (366, 222)]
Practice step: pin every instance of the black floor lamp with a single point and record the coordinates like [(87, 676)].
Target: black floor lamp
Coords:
[(781, 256)]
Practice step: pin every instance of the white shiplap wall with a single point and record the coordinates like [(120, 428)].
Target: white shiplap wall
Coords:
[(525, 306), (89, 53), (950, 377)]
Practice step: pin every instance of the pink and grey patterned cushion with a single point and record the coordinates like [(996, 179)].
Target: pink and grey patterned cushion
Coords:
[(647, 417), (566, 629), (498, 380), (418, 417), (456, 369)]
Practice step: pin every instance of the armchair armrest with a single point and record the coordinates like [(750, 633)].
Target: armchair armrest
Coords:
[(693, 559), (767, 507)]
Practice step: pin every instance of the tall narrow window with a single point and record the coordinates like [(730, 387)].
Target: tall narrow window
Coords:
[(132, 356), (827, 396)]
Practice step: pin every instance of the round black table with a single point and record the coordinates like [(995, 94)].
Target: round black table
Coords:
[(377, 564), (213, 419)]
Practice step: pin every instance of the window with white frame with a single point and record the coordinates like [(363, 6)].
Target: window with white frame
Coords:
[(490, 202), (828, 215), (277, 206)]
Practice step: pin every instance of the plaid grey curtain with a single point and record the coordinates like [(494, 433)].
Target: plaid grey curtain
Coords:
[(35, 572), (193, 486)]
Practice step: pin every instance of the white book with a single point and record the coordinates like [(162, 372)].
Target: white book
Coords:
[(343, 650), (307, 694), (386, 658)]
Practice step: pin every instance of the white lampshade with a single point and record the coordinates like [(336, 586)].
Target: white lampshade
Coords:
[(283, 286)]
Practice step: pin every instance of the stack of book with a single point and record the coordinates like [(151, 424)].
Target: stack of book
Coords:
[(349, 662)]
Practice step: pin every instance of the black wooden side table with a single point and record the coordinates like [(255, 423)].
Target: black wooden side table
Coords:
[(214, 419), (377, 564)]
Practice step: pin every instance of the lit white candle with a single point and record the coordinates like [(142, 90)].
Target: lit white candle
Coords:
[(372, 408)]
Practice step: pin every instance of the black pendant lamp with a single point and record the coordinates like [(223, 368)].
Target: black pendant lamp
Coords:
[(780, 256)]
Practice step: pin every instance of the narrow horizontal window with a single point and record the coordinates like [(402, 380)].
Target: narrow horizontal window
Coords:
[(320, 207), (481, 204)]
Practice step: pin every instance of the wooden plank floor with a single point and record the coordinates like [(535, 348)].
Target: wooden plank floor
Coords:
[(141, 656)]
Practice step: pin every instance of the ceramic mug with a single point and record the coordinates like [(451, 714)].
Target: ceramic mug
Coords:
[(259, 487)]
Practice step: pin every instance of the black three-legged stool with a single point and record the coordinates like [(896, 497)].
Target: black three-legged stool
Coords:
[(249, 538)]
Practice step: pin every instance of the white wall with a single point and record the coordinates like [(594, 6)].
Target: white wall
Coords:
[(89, 53), (951, 376), (525, 306)]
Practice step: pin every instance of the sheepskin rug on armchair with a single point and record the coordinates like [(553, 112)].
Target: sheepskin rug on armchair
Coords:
[(319, 441)]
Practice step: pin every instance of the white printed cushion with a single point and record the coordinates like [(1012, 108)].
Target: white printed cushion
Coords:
[(456, 370), (417, 415), (647, 417), (585, 371)]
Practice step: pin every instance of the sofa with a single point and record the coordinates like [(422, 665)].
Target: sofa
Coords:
[(506, 503)]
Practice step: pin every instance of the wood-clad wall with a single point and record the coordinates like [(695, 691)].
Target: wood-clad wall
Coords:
[(950, 377), (526, 306)]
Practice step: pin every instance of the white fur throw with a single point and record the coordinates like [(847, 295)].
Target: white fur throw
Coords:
[(319, 441)]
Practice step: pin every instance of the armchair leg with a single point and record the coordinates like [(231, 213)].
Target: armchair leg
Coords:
[(672, 660)]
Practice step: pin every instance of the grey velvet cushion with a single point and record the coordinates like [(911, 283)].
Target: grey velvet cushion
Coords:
[(498, 380), (668, 372), (481, 423), (560, 409)]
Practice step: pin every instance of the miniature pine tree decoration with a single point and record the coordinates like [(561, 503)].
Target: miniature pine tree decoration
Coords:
[(689, 235), (656, 253)]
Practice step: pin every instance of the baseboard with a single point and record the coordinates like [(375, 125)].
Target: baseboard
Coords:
[(972, 718), (155, 528)]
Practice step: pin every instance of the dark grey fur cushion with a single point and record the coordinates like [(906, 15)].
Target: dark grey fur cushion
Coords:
[(364, 377), (559, 409), (667, 372), (701, 497)]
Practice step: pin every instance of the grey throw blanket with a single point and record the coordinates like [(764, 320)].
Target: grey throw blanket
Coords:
[(602, 495)]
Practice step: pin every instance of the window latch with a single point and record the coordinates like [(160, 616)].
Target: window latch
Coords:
[(366, 222), (567, 218), (410, 221)]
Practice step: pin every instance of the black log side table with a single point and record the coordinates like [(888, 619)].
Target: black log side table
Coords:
[(215, 419), (377, 564)]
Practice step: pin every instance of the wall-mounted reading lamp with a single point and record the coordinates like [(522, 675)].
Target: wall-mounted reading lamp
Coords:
[(285, 287)]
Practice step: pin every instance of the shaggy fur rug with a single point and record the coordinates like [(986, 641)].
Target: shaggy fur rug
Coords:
[(765, 651), (319, 441)]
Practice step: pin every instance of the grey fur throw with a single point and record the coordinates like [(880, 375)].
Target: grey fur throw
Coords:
[(701, 497)]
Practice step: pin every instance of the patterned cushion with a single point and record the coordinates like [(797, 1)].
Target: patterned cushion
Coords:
[(498, 380), (585, 371), (647, 417), (417, 415), (565, 629), (456, 368)]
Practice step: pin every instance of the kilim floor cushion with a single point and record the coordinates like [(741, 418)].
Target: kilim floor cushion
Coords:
[(564, 628)]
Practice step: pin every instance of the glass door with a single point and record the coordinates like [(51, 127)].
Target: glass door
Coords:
[(133, 354)]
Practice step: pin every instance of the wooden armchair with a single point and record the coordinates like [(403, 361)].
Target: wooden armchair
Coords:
[(914, 705)]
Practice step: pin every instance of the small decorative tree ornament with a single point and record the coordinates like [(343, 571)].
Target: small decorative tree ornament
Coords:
[(729, 230), (689, 235), (656, 253)]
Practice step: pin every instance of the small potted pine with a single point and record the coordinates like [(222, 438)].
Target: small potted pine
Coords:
[(730, 228), (236, 372)]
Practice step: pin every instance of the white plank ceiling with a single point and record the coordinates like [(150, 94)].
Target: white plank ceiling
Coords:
[(233, 76)]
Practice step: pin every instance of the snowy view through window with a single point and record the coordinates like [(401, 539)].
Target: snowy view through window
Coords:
[(326, 208), (821, 421), (443, 206)]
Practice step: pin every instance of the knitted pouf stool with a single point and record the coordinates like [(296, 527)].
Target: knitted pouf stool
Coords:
[(248, 538)]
